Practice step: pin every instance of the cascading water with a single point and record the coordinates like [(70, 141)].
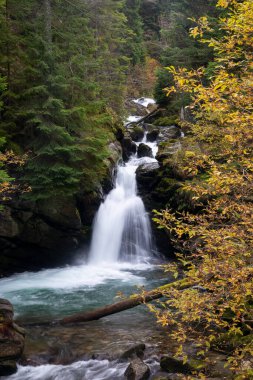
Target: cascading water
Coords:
[(122, 228)]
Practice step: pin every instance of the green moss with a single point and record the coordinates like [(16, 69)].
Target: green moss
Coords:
[(167, 120)]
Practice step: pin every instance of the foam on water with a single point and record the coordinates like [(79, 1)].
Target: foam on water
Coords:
[(71, 277), (88, 370), (144, 101)]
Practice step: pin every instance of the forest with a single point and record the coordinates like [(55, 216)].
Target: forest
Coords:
[(126, 180)]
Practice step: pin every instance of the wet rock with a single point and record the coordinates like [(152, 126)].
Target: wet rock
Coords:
[(133, 351), (144, 151), (153, 135), (137, 133), (128, 147), (62, 354), (12, 340), (111, 162), (169, 132), (137, 370), (172, 365), (146, 177)]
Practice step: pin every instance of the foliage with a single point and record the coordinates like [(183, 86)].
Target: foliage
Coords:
[(178, 49), (216, 244), (65, 76)]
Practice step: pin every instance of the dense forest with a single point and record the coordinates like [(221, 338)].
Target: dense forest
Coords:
[(69, 71)]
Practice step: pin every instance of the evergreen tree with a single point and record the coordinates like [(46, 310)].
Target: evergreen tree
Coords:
[(178, 48), (66, 75), (136, 47)]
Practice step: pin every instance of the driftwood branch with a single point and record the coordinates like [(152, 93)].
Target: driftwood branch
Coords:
[(152, 113), (123, 305)]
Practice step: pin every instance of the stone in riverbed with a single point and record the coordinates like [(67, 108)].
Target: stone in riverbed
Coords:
[(153, 135), (128, 148), (137, 370), (137, 133), (169, 132), (133, 351), (172, 365), (12, 339), (144, 151)]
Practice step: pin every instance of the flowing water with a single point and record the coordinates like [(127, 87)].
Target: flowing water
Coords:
[(121, 257), (122, 228)]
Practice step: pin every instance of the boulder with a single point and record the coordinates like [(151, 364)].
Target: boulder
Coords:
[(137, 133), (169, 132), (128, 147), (12, 340), (60, 212), (153, 135), (137, 370), (146, 177), (144, 151), (172, 365), (133, 351)]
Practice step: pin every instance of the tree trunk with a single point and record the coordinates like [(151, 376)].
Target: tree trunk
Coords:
[(123, 305)]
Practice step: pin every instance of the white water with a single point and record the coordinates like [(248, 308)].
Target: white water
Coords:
[(132, 119), (144, 101), (122, 228), (82, 370)]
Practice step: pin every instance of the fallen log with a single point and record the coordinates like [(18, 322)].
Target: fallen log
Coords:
[(152, 113), (129, 303)]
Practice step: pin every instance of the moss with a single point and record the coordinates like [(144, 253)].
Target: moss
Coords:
[(167, 120), (230, 342)]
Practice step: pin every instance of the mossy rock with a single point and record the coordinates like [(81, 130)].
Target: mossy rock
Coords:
[(172, 365), (137, 133)]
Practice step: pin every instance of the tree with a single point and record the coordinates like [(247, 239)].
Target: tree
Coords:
[(65, 79), (178, 49), (216, 242)]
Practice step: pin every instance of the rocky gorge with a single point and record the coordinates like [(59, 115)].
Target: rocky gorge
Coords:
[(47, 232), (55, 350)]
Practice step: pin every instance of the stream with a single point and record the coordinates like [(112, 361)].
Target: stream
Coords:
[(123, 258)]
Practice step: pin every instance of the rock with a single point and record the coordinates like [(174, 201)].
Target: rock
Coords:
[(12, 340), (8, 225), (129, 147), (153, 135), (137, 370), (146, 177), (60, 212), (169, 132), (133, 351), (144, 151), (111, 162), (137, 133), (172, 365), (115, 152)]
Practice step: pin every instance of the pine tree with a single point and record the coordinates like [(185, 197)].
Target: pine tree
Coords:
[(67, 74)]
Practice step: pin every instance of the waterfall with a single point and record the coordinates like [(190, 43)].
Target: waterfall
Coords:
[(122, 228)]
